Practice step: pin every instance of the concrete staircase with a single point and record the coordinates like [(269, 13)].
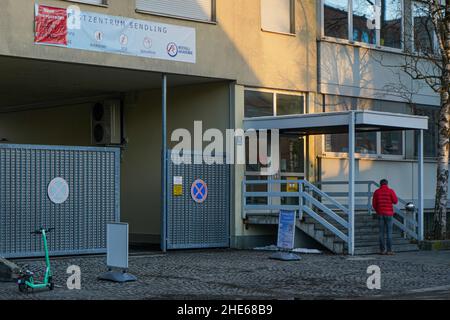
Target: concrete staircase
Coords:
[(366, 235)]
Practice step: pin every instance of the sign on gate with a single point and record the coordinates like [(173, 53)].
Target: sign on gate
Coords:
[(286, 230), (199, 191), (178, 186)]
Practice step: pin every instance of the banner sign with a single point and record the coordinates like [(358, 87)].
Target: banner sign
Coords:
[(120, 35), (51, 26), (286, 230)]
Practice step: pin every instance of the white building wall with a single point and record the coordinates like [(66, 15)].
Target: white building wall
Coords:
[(349, 70), (402, 176)]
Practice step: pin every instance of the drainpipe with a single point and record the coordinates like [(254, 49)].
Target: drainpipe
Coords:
[(351, 184), (164, 174)]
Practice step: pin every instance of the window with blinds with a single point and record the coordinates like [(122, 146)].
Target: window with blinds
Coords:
[(102, 2), (190, 9), (277, 16)]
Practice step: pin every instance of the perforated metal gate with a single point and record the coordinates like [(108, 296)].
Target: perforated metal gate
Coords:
[(93, 177), (192, 225)]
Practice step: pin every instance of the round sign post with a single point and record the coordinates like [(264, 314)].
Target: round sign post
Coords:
[(199, 191)]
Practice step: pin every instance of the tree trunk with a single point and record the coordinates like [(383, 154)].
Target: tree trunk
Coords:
[(440, 217), (440, 212)]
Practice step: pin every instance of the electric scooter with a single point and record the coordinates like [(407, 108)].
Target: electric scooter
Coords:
[(26, 279)]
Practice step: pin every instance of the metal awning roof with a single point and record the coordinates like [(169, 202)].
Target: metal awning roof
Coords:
[(338, 122)]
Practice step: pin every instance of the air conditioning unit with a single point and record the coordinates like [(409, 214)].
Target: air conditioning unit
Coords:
[(106, 124)]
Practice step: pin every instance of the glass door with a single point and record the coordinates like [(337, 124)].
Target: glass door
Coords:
[(292, 165)]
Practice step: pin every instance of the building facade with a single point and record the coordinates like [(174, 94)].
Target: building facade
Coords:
[(249, 59)]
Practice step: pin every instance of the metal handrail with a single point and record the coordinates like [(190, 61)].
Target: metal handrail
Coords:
[(406, 220), (306, 203)]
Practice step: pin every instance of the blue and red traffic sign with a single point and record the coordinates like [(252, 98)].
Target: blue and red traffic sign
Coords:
[(199, 191)]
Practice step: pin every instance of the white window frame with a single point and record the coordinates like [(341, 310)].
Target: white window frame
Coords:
[(275, 101), (350, 40), (103, 4), (293, 23), (377, 155)]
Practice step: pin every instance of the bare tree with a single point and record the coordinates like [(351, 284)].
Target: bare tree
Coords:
[(427, 60)]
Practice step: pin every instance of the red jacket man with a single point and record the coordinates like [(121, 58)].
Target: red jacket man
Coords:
[(383, 202), (384, 199)]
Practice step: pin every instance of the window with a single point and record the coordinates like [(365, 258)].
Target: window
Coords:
[(97, 2), (289, 104), (387, 143), (202, 10), (391, 24), (278, 16), (336, 18), (373, 22), (392, 143), (258, 104), (425, 40), (363, 15), (430, 136), (264, 103)]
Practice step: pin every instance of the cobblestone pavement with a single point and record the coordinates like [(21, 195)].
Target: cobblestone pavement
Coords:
[(229, 274)]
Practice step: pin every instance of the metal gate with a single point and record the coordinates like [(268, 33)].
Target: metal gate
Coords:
[(193, 224), (92, 180)]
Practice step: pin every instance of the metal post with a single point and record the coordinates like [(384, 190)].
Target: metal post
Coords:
[(420, 187), (351, 184), (300, 200), (164, 166)]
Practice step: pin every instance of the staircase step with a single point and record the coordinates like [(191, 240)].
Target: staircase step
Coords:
[(366, 243), (376, 249)]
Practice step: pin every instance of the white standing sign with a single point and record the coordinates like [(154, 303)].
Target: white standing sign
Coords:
[(286, 230), (117, 245)]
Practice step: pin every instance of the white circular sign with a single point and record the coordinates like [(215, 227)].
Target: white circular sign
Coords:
[(58, 191)]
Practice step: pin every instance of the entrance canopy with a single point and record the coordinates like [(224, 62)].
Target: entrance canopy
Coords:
[(351, 122), (338, 122)]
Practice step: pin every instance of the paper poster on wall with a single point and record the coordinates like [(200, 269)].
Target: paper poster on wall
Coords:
[(50, 25), (120, 35)]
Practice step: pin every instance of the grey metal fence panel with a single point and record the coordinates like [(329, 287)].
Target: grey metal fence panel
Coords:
[(191, 225), (93, 176)]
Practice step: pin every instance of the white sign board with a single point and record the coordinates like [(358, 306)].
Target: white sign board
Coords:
[(117, 245), (286, 230)]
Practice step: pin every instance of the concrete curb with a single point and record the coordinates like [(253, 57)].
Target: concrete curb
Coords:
[(435, 245)]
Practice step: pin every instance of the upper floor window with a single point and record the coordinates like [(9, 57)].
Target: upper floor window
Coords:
[(375, 22), (202, 10), (97, 2), (424, 35), (336, 21), (278, 16)]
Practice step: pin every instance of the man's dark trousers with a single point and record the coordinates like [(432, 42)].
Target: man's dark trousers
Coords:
[(386, 224)]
